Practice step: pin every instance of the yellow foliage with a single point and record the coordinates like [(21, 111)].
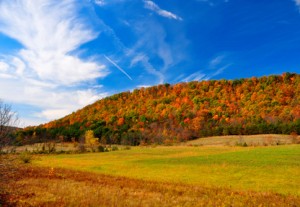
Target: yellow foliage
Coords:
[(90, 139)]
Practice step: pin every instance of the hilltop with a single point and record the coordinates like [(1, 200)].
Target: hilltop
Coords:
[(184, 111)]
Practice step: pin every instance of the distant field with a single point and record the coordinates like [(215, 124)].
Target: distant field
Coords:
[(250, 140), (233, 140), (271, 169)]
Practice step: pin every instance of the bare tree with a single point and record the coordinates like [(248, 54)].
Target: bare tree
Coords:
[(8, 123)]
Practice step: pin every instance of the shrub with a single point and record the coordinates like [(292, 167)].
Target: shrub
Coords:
[(101, 148), (114, 148), (26, 157), (127, 148)]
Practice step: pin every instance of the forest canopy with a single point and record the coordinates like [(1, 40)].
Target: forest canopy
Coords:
[(173, 113)]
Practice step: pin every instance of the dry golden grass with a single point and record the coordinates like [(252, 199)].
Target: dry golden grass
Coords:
[(28, 185), (251, 140)]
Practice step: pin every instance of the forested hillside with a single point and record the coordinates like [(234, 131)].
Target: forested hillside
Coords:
[(172, 113)]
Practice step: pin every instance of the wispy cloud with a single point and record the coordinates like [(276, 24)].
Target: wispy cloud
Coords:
[(213, 2), (194, 77), (49, 32), (216, 61), (218, 64), (117, 66), (154, 45), (215, 66), (142, 44), (164, 13), (100, 2), (297, 2), (47, 70)]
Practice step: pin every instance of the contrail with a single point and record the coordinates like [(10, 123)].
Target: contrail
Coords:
[(115, 64)]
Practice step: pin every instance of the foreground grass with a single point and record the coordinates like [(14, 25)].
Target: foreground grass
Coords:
[(263, 169), (28, 185)]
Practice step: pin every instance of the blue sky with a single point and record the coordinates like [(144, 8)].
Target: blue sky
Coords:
[(58, 56)]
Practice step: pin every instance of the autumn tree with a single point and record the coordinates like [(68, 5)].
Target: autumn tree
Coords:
[(90, 140)]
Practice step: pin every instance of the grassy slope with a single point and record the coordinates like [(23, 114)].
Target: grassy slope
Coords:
[(275, 168)]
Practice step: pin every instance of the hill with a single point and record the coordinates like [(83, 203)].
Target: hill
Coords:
[(184, 111)]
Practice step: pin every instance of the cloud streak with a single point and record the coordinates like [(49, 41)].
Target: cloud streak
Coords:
[(117, 66), (164, 13), (215, 66)]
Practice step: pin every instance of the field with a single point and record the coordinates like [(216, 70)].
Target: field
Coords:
[(162, 176), (275, 169)]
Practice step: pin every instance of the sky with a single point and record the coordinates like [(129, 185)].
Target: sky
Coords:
[(59, 56)]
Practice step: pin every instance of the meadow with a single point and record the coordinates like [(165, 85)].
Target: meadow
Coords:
[(272, 169), (184, 175)]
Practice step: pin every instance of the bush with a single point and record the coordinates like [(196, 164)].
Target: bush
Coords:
[(127, 148), (114, 148), (101, 148), (26, 157)]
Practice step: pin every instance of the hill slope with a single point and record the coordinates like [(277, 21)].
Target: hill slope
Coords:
[(167, 113)]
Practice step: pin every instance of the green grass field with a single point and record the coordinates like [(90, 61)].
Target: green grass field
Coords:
[(264, 169)]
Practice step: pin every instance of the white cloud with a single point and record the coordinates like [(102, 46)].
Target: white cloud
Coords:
[(210, 3), (140, 57), (216, 61), (297, 2), (215, 66), (52, 114), (49, 32), (46, 72), (100, 2), (144, 86), (164, 13), (194, 77), (3, 67), (136, 59), (218, 71), (151, 45), (151, 70), (47, 97)]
